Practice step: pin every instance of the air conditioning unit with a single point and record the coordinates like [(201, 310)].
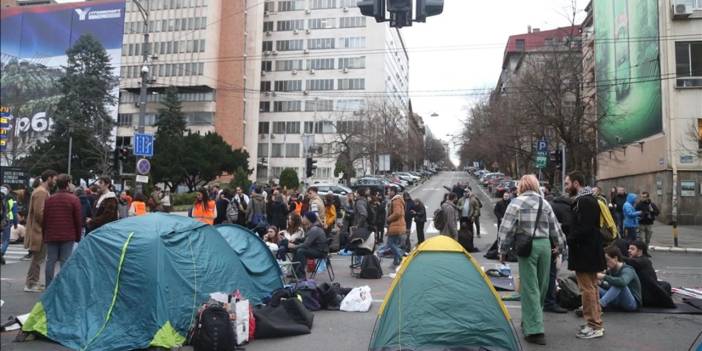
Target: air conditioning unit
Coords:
[(311, 71), (266, 13), (294, 72), (308, 31), (305, 51), (346, 9), (681, 11), (306, 92), (295, 32), (268, 33), (275, 53), (267, 53), (346, 70), (307, 11), (263, 136)]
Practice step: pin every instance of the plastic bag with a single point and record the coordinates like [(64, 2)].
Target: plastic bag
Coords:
[(358, 300)]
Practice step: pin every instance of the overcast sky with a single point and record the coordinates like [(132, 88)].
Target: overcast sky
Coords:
[(462, 49)]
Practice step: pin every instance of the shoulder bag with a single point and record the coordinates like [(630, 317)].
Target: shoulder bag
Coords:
[(522, 240)]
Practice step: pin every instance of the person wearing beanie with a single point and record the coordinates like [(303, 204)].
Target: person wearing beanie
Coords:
[(314, 246)]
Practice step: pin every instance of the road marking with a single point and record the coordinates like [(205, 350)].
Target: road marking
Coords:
[(15, 253)]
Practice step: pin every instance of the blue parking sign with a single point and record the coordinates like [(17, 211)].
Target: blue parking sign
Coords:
[(143, 145)]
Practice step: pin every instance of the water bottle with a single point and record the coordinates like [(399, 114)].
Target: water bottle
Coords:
[(506, 270)]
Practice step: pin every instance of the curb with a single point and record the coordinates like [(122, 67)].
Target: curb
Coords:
[(686, 250)]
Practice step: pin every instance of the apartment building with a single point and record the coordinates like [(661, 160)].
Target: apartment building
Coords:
[(655, 59), (322, 65), (202, 47)]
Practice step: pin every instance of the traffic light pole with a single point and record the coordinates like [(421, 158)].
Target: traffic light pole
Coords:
[(144, 74), (563, 165)]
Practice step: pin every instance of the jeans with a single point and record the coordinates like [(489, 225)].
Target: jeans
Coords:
[(619, 219), (551, 293), (6, 238), (394, 241), (56, 252), (631, 234), (618, 297), (592, 311), (476, 220), (301, 255)]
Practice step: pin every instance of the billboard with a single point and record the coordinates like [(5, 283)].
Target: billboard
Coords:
[(34, 40), (628, 77)]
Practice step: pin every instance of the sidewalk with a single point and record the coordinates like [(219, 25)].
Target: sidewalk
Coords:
[(689, 238)]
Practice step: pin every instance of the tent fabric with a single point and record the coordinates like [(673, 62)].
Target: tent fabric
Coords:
[(254, 253), (441, 300), (138, 282)]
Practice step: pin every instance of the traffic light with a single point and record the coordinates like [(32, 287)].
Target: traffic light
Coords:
[(399, 5), (426, 8), (311, 165), (556, 158), (400, 13), (123, 153), (373, 8)]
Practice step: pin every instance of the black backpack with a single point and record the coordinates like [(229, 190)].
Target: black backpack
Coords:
[(568, 295), (439, 219), (214, 330), (370, 267)]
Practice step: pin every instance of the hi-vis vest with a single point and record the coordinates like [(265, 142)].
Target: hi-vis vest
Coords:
[(10, 215), (202, 215), (139, 208)]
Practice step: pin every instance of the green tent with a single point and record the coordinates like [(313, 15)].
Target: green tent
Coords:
[(441, 300), (138, 282)]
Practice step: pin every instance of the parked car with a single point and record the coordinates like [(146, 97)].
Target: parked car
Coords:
[(503, 186), (336, 189), (375, 184)]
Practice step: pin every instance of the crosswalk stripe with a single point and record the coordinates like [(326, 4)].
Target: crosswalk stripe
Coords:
[(14, 254)]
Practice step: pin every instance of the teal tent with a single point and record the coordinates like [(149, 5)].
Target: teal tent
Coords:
[(138, 282), (441, 300)]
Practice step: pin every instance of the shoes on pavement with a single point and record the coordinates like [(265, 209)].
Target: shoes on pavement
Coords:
[(27, 257), (555, 309), (589, 333), (538, 339), (2, 260), (33, 289)]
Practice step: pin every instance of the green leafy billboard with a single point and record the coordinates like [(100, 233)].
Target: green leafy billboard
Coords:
[(628, 77)]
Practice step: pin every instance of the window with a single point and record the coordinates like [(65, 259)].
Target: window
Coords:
[(288, 65), (688, 64), (322, 4), (263, 127), (199, 118), (287, 106), (349, 126), (264, 106), (291, 5), (699, 133), (268, 26), (276, 150), (352, 22), (262, 149), (321, 23), (262, 173), (352, 84), (278, 127), (324, 127), (352, 42), (323, 172), (350, 105), (292, 150), (265, 85), (309, 127), (284, 26), (289, 45), (267, 45), (319, 105), (270, 6), (352, 62), (520, 44), (319, 84), (292, 127), (319, 44), (275, 172), (266, 66), (124, 119), (320, 64), (288, 85), (348, 3)]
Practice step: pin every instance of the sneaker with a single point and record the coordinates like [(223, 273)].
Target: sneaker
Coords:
[(33, 289), (555, 309), (579, 311), (589, 333), (27, 257)]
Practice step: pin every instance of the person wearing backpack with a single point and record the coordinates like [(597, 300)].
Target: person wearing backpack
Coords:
[(529, 227), (420, 218), (649, 212), (222, 203), (446, 217)]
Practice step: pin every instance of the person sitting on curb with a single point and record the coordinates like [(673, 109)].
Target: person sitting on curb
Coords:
[(620, 287)]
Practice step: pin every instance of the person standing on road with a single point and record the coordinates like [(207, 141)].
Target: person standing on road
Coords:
[(475, 206), (618, 201), (106, 205), (649, 212), (221, 204), (396, 225), (631, 218), (465, 211), (501, 207), (409, 209), (62, 226), (561, 207), (529, 214), (34, 238), (420, 219), (585, 254), (10, 218), (138, 207), (450, 213), (204, 209), (378, 209)]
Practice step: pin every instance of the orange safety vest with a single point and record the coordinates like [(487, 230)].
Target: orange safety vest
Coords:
[(139, 208), (298, 208), (200, 215)]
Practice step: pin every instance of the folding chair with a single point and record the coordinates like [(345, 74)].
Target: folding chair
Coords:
[(330, 270)]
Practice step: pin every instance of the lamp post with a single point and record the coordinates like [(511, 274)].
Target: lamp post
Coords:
[(144, 73)]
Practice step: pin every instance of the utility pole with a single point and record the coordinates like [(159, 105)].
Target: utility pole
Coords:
[(563, 165), (70, 149)]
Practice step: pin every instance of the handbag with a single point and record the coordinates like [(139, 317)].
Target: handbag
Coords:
[(522, 240)]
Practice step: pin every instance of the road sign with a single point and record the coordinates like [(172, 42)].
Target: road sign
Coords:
[(15, 176), (143, 145), (143, 166), (142, 179), (541, 153)]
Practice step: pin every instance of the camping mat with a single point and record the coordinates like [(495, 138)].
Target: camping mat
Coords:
[(502, 283), (681, 308)]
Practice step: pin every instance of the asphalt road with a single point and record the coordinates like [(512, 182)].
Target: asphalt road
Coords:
[(351, 331)]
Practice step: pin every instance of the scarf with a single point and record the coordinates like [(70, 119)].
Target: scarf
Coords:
[(584, 192), (104, 196)]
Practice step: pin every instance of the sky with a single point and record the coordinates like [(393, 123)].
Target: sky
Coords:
[(462, 49)]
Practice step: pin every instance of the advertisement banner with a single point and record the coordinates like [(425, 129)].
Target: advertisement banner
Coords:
[(628, 76), (34, 40)]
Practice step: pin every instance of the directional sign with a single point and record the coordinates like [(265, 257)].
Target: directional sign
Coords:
[(143, 166), (143, 145)]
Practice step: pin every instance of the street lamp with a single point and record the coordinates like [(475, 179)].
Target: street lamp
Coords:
[(434, 114)]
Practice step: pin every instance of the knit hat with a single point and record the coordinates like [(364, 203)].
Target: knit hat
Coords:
[(311, 216)]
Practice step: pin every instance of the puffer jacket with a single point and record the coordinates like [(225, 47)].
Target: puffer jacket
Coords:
[(396, 217), (631, 215)]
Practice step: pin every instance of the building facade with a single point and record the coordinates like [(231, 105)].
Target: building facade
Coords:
[(667, 163), (205, 49), (322, 66)]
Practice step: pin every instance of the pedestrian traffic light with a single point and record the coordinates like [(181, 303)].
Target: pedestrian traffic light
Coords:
[(399, 5), (311, 165), (373, 8), (426, 8)]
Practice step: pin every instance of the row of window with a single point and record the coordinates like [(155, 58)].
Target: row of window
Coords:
[(165, 47), (166, 70), (169, 25), (315, 44), (314, 23), (126, 97), (314, 84), (150, 119), (316, 64), (688, 64), (319, 105), (279, 150), (262, 173), (167, 4), (309, 127), (299, 5)]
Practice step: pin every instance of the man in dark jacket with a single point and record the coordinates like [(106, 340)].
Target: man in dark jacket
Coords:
[(649, 212), (62, 225), (106, 205), (562, 209), (585, 254), (501, 207), (314, 246), (654, 293)]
